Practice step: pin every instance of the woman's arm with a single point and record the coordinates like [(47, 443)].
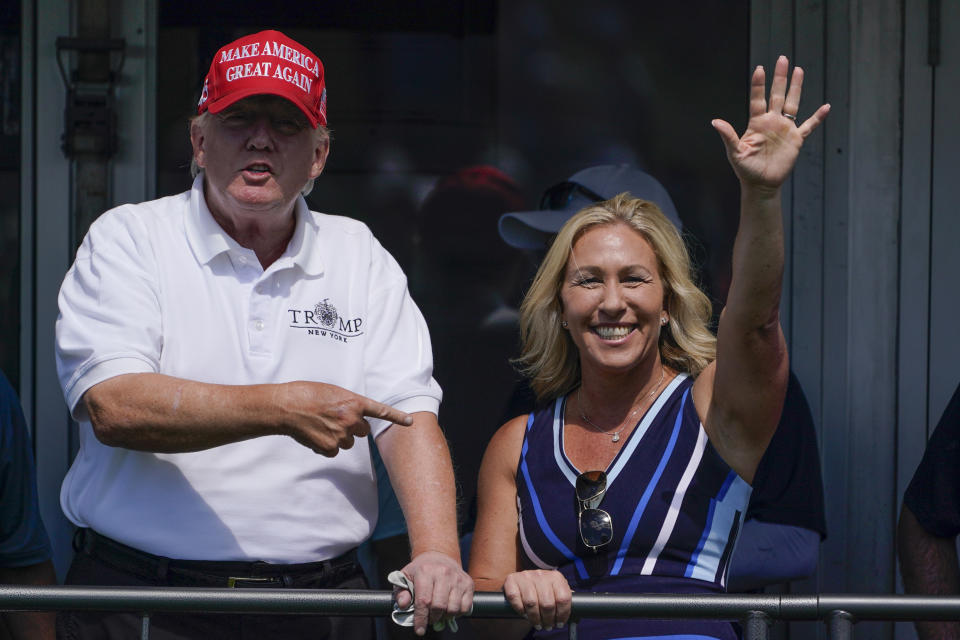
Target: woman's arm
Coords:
[(740, 395), (543, 597), (494, 552)]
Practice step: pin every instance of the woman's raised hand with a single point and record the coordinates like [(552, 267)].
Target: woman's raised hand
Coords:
[(764, 156)]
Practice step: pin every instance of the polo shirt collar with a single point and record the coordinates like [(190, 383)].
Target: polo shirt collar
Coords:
[(208, 239), (304, 247)]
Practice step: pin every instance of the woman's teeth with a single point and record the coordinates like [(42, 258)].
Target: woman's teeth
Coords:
[(613, 333)]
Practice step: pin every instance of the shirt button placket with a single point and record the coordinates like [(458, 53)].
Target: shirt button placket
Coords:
[(259, 335)]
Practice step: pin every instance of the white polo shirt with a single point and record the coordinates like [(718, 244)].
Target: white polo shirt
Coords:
[(160, 287)]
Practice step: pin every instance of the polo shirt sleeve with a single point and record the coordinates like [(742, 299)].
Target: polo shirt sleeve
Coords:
[(110, 319), (398, 359)]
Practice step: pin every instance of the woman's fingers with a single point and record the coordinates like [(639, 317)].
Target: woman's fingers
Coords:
[(513, 590), (758, 95), (778, 88), (814, 121), (531, 602), (562, 599), (727, 134), (564, 604), (547, 600), (792, 104), (542, 597)]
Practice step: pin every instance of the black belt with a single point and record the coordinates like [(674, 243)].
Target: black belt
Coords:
[(202, 573)]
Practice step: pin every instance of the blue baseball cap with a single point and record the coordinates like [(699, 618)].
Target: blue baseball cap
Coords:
[(535, 229)]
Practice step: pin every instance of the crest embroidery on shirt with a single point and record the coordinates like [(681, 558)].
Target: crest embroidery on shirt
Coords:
[(325, 320), (326, 313)]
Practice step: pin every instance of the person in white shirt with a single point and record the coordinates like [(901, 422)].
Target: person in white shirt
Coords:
[(213, 343)]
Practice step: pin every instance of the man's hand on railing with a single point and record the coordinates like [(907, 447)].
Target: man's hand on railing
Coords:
[(442, 590)]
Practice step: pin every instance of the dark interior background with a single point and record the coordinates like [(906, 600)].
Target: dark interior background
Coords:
[(10, 188), (531, 91)]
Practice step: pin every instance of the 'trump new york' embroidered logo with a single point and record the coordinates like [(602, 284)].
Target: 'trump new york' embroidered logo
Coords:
[(325, 321)]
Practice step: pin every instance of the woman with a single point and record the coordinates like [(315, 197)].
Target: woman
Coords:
[(635, 475)]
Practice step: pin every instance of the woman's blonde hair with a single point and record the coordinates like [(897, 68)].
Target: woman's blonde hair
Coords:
[(550, 358)]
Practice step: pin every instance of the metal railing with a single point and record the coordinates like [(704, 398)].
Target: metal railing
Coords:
[(755, 612)]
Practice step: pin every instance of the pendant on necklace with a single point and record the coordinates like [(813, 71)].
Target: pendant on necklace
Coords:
[(615, 438)]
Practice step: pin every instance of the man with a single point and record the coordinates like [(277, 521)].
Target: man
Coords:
[(24, 546), (211, 344), (785, 521), (930, 522)]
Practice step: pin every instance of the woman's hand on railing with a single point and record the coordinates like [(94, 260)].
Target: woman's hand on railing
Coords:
[(542, 597)]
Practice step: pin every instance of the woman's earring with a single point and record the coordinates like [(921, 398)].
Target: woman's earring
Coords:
[(663, 321), (563, 323)]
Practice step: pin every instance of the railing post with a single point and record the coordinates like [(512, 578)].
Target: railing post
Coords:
[(572, 630), (145, 626), (840, 624), (756, 626)]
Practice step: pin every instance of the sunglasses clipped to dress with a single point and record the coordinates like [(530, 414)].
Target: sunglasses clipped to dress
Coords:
[(595, 524)]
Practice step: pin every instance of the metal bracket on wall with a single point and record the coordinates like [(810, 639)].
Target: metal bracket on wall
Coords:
[(90, 115)]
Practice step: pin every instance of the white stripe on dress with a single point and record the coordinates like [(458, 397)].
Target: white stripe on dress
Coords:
[(534, 558), (670, 520)]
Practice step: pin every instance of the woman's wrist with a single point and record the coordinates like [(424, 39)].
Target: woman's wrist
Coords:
[(759, 193)]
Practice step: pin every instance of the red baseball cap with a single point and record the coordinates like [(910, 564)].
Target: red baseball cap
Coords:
[(267, 62)]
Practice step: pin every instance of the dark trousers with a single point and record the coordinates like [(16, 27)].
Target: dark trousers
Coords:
[(103, 562)]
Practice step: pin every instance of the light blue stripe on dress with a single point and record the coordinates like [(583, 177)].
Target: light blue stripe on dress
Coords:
[(734, 495)]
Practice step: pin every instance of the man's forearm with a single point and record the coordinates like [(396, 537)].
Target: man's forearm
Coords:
[(418, 461), (929, 566), (155, 412)]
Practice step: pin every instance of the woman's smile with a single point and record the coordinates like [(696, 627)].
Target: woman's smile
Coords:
[(613, 332)]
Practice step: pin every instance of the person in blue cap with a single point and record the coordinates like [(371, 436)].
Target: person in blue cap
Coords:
[(785, 521), (536, 229)]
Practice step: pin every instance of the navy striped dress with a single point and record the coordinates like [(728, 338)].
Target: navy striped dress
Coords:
[(676, 508)]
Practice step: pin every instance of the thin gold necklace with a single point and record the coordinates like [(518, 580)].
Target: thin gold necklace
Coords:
[(615, 435)]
